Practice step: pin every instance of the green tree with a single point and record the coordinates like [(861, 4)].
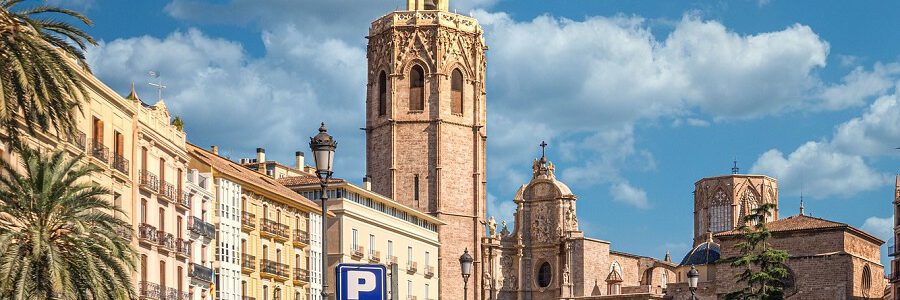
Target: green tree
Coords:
[(38, 83), (59, 238), (764, 270)]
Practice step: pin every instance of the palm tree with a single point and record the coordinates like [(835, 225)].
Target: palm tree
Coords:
[(39, 83), (59, 238)]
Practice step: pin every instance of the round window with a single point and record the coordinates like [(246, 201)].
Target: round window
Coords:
[(545, 273)]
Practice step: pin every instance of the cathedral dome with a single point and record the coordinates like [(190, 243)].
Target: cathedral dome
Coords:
[(705, 253)]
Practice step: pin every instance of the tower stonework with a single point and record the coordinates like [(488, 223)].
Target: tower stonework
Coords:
[(721, 202), (425, 126)]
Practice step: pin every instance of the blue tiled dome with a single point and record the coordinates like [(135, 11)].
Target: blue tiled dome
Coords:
[(705, 253)]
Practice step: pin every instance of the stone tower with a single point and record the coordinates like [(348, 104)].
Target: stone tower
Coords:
[(721, 202), (425, 125)]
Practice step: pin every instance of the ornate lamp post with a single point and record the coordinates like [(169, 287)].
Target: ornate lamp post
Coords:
[(693, 276), (322, 146), (465, 264)]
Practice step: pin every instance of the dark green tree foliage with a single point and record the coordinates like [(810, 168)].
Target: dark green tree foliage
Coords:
[(764, 271), (178, 123), (39, 60), (59, 238)]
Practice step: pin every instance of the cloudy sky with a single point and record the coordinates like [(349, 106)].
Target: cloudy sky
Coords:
[(637, 99)]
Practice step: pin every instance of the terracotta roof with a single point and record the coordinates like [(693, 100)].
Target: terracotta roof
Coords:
[(304, 180), (804, 223), (232, 169)]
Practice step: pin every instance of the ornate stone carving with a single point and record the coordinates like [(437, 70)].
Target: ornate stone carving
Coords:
[(492, 227)]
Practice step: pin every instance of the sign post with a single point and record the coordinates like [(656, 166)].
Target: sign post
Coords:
[(360, 282)]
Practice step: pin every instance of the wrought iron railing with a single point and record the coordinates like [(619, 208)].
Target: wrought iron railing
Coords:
[(184, 198), (200, 273), (274, 228), (183, 247), (274, 268), (79, 139), (149, 181), (120, 163), (167, 190), (149, 290), (301, 236), (199, 227), (301, 274), (248, 261), (166, 240), (100, 151), (248, 219), (148, 233)]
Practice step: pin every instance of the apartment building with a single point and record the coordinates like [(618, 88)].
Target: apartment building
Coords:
[(200, 271), (273, 251), (371, 228), (163, 206)]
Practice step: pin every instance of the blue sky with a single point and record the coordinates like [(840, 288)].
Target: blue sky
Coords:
[(638, 99)]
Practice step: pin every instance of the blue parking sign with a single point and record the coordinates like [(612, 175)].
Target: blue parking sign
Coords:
[(361, 282)]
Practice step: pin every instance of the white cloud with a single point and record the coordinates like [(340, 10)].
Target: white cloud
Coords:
[(883, 228), (859, 86), (820, 169), (876, 132), (625, 193)]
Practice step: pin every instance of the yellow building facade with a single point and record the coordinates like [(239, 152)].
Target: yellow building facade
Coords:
[(372, 229), (274, 240)]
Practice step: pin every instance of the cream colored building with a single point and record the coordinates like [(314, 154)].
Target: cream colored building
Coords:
[(370, 228), (273, 251)]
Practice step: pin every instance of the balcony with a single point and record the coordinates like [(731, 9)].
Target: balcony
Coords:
[(149, 290), (301, 238), (390, 260), (100, 151), (200, 273), (79, 139), (374, 256), (248, 221), (126, 232), (247, 298), (167, 191), (269, 228), (183, 248), (412, 267), (358, 253), (183, 199), (120, 163), (248, 263), (198, 227), (274, 270), (173, 294), (429, 271), (147, 234), (166, 241), (149, 182), (301, 276)]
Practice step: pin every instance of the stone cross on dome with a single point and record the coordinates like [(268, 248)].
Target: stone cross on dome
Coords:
[(543, 167)]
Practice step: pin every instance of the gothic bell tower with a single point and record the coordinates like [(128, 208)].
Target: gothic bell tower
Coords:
[(425, 125)]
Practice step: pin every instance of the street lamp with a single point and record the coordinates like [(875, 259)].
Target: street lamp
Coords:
[(693, 276), (322, 146), (465, 264)]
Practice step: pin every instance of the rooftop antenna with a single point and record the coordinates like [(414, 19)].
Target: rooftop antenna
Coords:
[(802, 181), (159, 86), (735, 169)]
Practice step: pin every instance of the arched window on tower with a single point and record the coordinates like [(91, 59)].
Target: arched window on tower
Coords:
[(720, 213), (382, 94), (456, 92), (866, 280), (417, 88)]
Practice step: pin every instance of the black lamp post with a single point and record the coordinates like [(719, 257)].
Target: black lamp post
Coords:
[(465, 264), (693, 276), (322, 146)]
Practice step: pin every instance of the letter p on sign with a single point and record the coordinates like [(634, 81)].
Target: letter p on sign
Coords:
[(361, 282)]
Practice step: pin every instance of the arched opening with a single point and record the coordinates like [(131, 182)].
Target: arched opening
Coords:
[(456, 92), (382, 94), (417, 88), (866, 281), (431, 4), (720, 213), (545, 274)]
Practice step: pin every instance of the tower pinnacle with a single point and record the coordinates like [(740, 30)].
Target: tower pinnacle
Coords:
[(442, 5)]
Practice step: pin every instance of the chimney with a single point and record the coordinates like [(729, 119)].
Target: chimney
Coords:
[(300, 160), (367, 183), (214, 149), (260, 155)]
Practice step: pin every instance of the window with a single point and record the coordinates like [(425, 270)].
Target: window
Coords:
[(866, 280), (427, 256), (144, 211), (265, 214), (265, 293), (545, 274), (427, 287), (456, 92), (416, 189), (278, 255), (119, 144), (353, 243), (98, 131), (265, 252), (382, 94), (409, 255), (144, 158), (409, 290), (372, 242), (179, 179), (720, 213), (180, 279), (178, 227), (417, 88), (162, 171), (162, 219), (162, 274), (144, 267), (390, 249)]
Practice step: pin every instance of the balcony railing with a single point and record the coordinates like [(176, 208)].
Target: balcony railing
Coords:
[(359, 252), (183, 247), (248, 220), (166, 240), (79, 139), (149, 181), (197, 226), (273, 268), (301, 275), (274, 229), (149, 290), (247, 298), (120, 163), (301, 237), (100, 151), (391, 260), (173, 294), (429, 271), (184, 199), (374, 255), (412, 266), (147, 233), (248, 262), (200, 273), (167, 190)]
